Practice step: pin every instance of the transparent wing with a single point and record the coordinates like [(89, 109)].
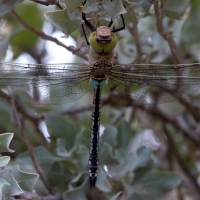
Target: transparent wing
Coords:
[(44, 84), (150, 84)]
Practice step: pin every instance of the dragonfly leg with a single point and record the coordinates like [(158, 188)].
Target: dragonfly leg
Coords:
[(122, 28)]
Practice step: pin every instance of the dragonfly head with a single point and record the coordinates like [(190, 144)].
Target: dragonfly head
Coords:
[(103, 34)]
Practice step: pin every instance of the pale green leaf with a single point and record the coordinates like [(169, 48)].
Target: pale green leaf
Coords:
[(130, 161), (4, 161), (4, 42), (191, 28), (113, 8), (175, 9), (26, 180), (106, 154), (3, 185), (14, 188), (124, 134), (82, 156), (115, 196), (140, 5), (72, 4), (61, 128), (61, 149), (136, 196), (5, 140), (156, 183), (3, 47), (90, 6), (103, 183), (7, 6), (42, 155), (77, 193), (62, 20), (109, 136), (120, 170), (78, 177)]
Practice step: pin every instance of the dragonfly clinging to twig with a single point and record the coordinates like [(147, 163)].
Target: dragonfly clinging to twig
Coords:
[(128, 84)]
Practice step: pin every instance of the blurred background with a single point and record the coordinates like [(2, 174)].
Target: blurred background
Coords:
[(146, 152)]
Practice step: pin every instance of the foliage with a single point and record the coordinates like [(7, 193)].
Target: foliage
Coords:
[(12, 180), (152, 156)]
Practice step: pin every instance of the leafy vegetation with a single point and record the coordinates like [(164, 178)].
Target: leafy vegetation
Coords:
[(146, 152), (12, 180)]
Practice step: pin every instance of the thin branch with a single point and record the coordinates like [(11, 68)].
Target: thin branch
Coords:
[(31, 152), (191, 181), (155, 112), (48, 2), (73, 110), (134, 32), (47, 37), (33, 118), (159, 12)]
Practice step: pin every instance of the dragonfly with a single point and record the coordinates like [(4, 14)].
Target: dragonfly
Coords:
[(132, 84)]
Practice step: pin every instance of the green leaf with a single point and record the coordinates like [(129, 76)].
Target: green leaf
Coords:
[(78, 177), (143, 156), (5, 42), (109, 136), (77, 193), (72, 5), (3, 47), (7, 6), (137, 197), (5, 140), (175, 9), (140, 5), (14, 188), (156, 183), (90, 6), (61, 128), (82, 156), (26, 39), (106, 155), (61, 150), (120, 170), (4, 161), (26, 180), (124, 134), (113, 8), (3, 185), (130, 162), (63, 21), (191, 28), (42, 155), (116, 196), (106, 144), (130, 16), (103, 183)]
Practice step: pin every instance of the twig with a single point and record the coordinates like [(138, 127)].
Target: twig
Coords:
[(134, 32), (47, 37), (48, 2), (191, 180), (33, 118), (31, 151), (155, 112), (73, 110), (159, 11)]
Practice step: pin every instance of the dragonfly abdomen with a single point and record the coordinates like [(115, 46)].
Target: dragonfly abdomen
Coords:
[(94, 135)]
